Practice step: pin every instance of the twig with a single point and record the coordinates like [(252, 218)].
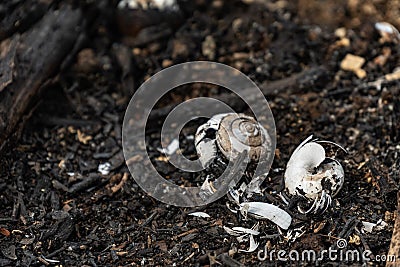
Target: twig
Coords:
[(33, 58), (118, 186), (187, 232), (92, 179)]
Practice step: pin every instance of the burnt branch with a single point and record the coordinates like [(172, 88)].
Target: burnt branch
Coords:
[(30, 59)]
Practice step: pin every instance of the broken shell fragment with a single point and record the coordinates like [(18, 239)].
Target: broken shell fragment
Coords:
[(199, 214), (245, 230), (387, 31), (370, 227), (232, 134), (261, 210), (242, 234), (239, 231), (309, 173), (253, 245), (148, 4), (207, 151)]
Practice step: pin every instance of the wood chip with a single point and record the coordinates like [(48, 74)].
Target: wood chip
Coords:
[(340, 32), (187, 232), (189, 257), (162, 245), (393, 76), (354, 63), (4, 231), (83, 138), (320, 227)]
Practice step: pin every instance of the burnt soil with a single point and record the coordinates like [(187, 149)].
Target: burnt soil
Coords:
[(56, 208)]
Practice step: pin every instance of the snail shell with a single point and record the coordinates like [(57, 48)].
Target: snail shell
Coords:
[(239, 132), (309, 172)]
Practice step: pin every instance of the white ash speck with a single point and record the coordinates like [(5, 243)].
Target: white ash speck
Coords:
[(104, 168)]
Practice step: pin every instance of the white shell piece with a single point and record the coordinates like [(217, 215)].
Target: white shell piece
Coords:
[(242, 238), (320, 205), (229, 208), (171, 148), (243, 230), (300, 167), (308, 157), (104, 168), (239, 231), (200, 134), (199, 214), (242, 188), (261, 210), (307, 175), (147, 4), (332, 143), (234, 195), (252, 247), (387, 28), (367, 227), (254, 186), (292, 235), (380, 225), (212, 123), (207, 151), (206, 148), (49, 260), (207, 189), (230, 231), (370, 227)]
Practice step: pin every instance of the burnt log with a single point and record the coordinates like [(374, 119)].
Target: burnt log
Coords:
[(29, 60)]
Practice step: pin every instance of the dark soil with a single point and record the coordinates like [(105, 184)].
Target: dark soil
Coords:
[(56, 208)]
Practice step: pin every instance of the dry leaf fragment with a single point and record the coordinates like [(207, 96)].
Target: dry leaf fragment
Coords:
[(4, 231), (355, 239)]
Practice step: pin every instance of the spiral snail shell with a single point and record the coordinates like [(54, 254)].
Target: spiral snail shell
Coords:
[(239, 132), (233, 134)]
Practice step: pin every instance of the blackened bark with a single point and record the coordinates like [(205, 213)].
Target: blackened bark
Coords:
[(30, 59)]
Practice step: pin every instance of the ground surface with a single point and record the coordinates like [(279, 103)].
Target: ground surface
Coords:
[(56, 206)]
